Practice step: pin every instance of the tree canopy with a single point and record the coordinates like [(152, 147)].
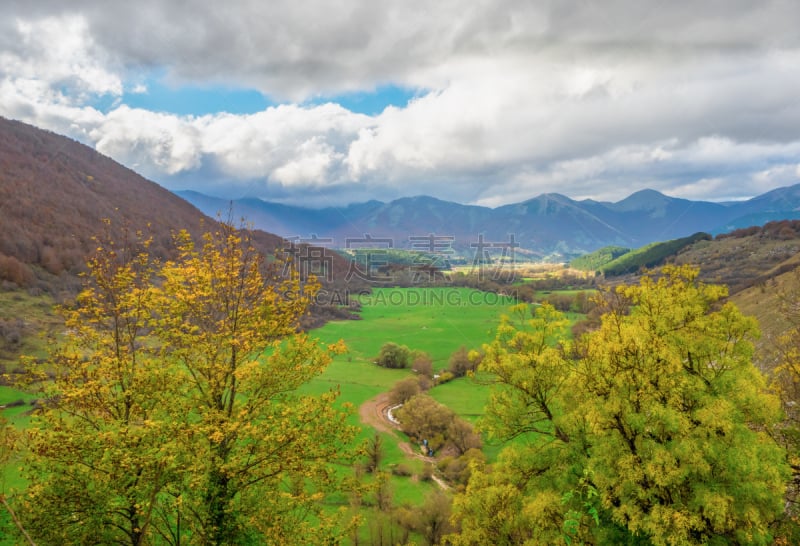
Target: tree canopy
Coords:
[(652, 428), (174, 415)]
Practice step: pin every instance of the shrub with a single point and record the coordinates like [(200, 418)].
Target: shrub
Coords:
[(444, 377), (427, 472), (393, 355), (460, 363), (402, 469), (456, 470), (404, 390), (422, 364), (424, 382)]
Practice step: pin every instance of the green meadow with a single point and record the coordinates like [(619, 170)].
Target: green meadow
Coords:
[(435, 320)]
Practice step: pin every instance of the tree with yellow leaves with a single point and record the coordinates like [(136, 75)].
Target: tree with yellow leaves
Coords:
[(174, 417), (101, 453), (653, 429), (261, 453)]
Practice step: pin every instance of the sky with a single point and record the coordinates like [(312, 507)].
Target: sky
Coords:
[(485, 102)]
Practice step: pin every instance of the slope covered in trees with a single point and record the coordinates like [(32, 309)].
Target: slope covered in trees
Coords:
[(649, 256), (594, 261), (55, 194)]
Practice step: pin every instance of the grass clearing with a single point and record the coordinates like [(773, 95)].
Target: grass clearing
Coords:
[(435, 320), (28, 325)]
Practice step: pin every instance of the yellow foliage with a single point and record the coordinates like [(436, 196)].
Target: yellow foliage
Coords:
[(174, 401)]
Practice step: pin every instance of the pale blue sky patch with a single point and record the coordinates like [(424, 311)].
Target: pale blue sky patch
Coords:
[(193, 100), (374, 102)]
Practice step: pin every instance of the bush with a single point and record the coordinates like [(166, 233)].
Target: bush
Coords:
[(425, 382), (456, 470), (393, 355), (402, 469), (423, 364), (460, 363), (427, 472), (444, 377), (404, 390)]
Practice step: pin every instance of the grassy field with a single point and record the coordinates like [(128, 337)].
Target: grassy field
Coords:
[(435, 320), (26, 324)]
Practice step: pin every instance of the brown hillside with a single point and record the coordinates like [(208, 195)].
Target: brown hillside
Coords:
[(746, 257), (55, 192), (764, 302)]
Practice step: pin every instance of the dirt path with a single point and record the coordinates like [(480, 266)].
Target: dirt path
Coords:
[(374, 412)]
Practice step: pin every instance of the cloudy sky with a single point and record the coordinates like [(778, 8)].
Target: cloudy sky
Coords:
[(479, 101)]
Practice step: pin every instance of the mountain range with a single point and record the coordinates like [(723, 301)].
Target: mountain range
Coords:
[(548, 226)]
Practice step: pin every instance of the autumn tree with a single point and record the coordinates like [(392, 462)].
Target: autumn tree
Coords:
[(660, 413), (174, 416), (785, 376), (249, 431), (101, 451)]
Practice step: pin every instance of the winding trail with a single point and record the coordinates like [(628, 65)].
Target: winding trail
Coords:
[(374, 412)]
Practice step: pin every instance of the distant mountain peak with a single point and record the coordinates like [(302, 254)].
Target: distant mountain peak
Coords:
[(647, 199)]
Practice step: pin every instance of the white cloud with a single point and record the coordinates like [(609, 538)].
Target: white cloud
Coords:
[(586, 99), (151, 143), (58, 53)]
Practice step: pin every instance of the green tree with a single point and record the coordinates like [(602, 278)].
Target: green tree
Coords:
[(174, 416), (375, 452), (393, 355), (660, 413)]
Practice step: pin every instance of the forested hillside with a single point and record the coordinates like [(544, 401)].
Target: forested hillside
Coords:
[(57, 195)]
